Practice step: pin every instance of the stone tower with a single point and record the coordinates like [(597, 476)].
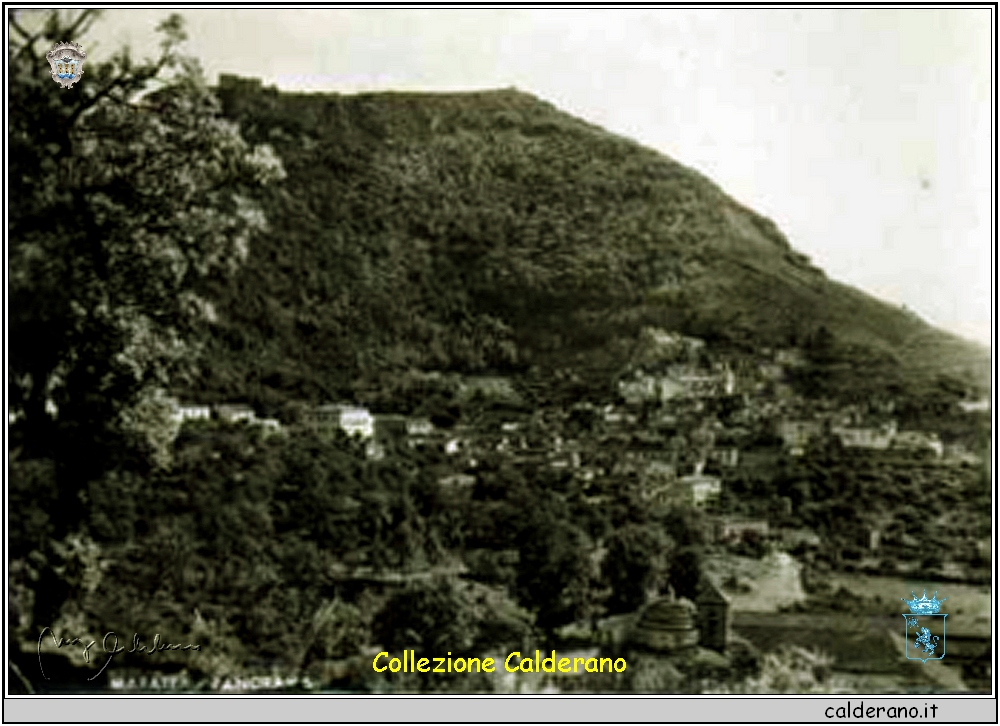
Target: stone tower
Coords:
[(713, 615)]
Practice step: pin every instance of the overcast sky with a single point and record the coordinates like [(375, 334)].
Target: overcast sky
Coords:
[(864, 134)]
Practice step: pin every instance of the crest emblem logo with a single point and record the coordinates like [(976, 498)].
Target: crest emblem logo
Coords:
[(925, 628), (66, 60)]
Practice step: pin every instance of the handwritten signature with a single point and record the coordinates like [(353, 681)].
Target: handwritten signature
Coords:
[(110, 646)]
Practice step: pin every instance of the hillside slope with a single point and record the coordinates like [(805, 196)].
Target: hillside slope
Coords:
[(488, 231)]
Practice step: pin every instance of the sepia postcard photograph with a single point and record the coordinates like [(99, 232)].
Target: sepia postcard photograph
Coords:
[(501, 352)]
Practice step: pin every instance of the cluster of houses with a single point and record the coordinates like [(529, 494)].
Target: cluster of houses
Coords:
[(673, 457), (676, 382), (658, 473), (684, 391), (797, 434), (354, 421), (668, 367)]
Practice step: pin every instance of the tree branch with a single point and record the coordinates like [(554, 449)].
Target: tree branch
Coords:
[(81, 24), (123, 81), (17, 26), (29, 40), (119, 82), (88, 16)]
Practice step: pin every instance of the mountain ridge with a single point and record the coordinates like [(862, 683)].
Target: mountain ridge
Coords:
[(489, 231)]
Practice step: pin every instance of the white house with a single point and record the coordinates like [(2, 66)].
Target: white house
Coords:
[(918, 441), (457, 482), (419, 427), (701, 489), (975, 406), (357, 421), (352, 420), (797, 434), (234, 412), (269, 425), (191, 412), (867, 438)]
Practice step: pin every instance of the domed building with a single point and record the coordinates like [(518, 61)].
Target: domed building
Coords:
[(666, 625)]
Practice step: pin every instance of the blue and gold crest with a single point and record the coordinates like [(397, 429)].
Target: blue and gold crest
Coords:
[(66, 61), (925, 628)]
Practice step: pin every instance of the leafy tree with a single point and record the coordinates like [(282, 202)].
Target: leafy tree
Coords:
[(435, 617), (685, 571), (636, 561), (553, 570), (128, 192), (686, 526)]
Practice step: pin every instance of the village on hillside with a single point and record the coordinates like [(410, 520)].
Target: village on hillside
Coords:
[(396, 356), (684, 431), (677, 426)]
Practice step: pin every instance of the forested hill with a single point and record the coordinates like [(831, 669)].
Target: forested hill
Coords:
[(490, 232)]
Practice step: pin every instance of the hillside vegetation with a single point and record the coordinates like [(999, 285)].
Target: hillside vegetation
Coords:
[(490, 232), (496, 270)]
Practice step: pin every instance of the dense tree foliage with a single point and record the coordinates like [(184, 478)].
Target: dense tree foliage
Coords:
[(125, 205), (554, 566), (419, 239), (636, 564), (489, 231)]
